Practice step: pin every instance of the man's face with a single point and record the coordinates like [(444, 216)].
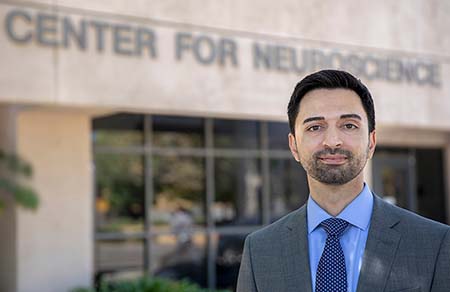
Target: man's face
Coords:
[(332, 140)]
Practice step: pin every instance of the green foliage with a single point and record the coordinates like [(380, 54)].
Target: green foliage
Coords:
[(146, 284), (15, 164), (12, 169), (185, 181), (120, 179)]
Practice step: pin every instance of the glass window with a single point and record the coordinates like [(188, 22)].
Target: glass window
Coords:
[(178, 131), (236, 134), (278, 136), (179, 198), (288, 187), (119, 205), (118, 255), (178, 240), (118, 130), (180, 259), (238, 191)]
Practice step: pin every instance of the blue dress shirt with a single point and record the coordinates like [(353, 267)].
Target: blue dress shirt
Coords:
[(353, 241)]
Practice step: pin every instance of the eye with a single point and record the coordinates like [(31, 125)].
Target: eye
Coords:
[(314, 128), (350, 126)]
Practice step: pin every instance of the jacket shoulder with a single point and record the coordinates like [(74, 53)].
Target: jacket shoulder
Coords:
[(410, 220), (276, 229)]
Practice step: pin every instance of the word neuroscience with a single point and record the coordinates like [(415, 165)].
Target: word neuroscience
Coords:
[(53, 30), (366, 66)]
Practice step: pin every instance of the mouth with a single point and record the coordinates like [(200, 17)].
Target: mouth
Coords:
[(333, 159)]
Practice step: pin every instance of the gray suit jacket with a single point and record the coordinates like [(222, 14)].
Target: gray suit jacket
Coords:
[(404, 252)]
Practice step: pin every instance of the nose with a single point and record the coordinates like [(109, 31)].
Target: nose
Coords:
[(332, 139)]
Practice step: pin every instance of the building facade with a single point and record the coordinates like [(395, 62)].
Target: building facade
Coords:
[(157, 130)]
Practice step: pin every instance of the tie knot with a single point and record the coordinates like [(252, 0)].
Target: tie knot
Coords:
[(334, 226)]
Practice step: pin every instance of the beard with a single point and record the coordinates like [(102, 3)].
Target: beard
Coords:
[(335, 174)]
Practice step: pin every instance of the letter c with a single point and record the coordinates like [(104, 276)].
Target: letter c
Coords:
[(10, 18)]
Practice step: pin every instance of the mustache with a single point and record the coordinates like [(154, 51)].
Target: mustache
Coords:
[(329, 151)]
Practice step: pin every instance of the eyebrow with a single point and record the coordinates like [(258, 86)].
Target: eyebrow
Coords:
[(351, 116), (346, 116), (313, 119)]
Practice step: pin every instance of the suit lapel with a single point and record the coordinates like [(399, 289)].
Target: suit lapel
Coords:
[(296, 254), (382, 244)]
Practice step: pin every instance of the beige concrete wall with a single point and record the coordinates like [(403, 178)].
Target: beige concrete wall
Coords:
[(55, 244), (72, 77), (8, 222), (411, 25), (409, 137)]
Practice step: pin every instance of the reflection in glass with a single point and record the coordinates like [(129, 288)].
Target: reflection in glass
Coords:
[(179, 199), (119, 201), (177, 131), (278, 136), (238, 191), (395, 185), (392, 176), (113, 255), (180, 260), (236, 134), (288, 185), (114, 275), (118, 130), (229, 249)]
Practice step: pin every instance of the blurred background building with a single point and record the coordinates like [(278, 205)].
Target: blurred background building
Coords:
[(157, 129)]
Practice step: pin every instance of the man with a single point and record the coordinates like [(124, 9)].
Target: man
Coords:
[(345, 238)]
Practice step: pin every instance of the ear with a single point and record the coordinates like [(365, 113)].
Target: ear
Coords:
[(293, 147), (372, 143)]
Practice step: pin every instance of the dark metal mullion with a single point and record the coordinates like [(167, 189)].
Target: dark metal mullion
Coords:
[(210, 191), (243, 229), (149, 191), (446, 173), (120, 236), (412, 183), (196, 152), (131, 149), (265, 173), (94, 231), (231, 153)]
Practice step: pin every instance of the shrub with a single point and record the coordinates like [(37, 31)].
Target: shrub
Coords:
[(146, 284)]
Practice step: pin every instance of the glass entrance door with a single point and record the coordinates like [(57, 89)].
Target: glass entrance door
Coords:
[(394, 177), (412, 178)]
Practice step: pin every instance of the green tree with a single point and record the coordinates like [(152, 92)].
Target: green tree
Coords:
[(13, 170)]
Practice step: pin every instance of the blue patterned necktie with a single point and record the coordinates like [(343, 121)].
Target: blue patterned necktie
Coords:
[(331, 274)]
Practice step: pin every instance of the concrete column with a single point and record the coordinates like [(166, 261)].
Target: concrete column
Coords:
[(54, 245), (8, 222)]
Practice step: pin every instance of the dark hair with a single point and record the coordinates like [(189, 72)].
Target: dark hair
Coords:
[(330, 79)]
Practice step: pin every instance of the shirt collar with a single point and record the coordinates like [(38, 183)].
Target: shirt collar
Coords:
[(357, 213)]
